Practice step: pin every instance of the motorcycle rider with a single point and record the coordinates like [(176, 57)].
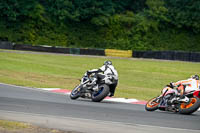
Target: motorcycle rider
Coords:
[(190, 84), (108, 73), (184, 86)]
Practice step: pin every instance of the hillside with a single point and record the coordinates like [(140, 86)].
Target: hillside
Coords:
[(129, 24)]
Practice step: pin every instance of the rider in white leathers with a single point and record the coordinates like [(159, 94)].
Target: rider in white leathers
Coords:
[(108, 73)]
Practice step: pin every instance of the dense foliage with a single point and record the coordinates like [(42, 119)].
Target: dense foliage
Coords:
[(117, 24)]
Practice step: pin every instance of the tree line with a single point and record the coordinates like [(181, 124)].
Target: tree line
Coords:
[(116, 24)]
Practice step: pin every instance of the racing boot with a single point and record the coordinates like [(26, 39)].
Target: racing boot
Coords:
[(184, 99), (96, 87)]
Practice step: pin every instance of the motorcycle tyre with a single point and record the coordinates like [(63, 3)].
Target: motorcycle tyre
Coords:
[(191, 109), (102, 95), (76, 95), (153, 108)]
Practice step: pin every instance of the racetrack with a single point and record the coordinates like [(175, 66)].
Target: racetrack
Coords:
[(58, 111)]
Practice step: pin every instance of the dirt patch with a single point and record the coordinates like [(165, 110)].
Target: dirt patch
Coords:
[(19, 127)]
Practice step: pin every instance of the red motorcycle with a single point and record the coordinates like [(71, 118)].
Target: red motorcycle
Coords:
[(170, 100)]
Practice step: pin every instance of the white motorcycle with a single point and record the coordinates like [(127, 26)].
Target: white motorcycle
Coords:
[(92, 87)]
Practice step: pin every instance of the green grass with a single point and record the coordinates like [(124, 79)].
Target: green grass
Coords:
[(12, 125), (22, 127), (138, 78)]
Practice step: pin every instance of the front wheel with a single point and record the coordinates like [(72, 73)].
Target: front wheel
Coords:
[(152, 104), (189, 108), (102, 92), (75, 93)]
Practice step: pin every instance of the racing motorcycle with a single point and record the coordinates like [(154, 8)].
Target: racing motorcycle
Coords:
[(169, 100), (91, 88)]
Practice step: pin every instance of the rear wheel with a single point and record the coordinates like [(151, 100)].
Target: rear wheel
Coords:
[(75, 93), (189, 108), (152, 104), (102, 92)]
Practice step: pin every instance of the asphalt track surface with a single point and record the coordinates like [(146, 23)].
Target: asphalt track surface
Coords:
[(59, 111)]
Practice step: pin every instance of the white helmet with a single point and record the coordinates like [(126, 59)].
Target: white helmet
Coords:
[(108, 62)]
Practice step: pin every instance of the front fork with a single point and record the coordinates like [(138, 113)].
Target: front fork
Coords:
[(163, 102)]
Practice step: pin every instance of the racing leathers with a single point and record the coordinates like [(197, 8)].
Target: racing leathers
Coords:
[(109, 74), (190, 85)]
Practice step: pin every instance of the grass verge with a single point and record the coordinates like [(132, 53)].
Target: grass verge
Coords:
[(20, 127), (138, 78)]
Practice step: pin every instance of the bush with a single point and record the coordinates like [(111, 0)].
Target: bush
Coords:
[(130, 24)]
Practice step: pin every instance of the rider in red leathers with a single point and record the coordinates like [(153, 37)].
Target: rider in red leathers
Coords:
[(181, 87), (190, 84)]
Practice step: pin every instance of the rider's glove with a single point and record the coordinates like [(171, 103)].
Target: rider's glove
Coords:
[(88, 72), (172, 85)]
